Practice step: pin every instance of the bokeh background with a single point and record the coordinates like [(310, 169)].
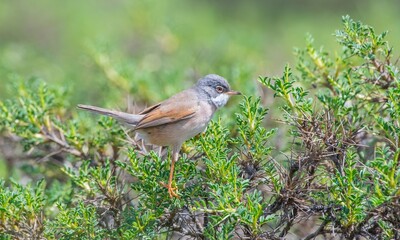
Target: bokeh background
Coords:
[(151, 49), (115, 53)]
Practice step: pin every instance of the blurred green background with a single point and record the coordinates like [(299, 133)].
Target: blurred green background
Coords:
[(106, 50), (120, 53)]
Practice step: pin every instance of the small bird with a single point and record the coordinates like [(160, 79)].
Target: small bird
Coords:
[(177, 119)]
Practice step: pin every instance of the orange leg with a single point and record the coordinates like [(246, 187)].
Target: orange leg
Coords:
[(171, 190)]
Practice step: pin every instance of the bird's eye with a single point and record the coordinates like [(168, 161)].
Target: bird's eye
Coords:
[(219, 89)]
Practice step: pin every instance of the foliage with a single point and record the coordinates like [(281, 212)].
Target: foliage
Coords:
[(21, 210), (345, 138), (339, 169)]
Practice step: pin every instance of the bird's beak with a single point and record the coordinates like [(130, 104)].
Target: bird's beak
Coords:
[(233, 93)]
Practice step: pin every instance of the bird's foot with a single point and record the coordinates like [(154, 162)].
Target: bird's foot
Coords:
[(171, 190)]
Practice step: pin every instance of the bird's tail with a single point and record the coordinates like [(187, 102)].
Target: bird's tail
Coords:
[(131, 119)]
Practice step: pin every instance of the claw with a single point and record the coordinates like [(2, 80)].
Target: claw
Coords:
[(171, 190)]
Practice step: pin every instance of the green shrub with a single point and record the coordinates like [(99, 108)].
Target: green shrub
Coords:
[(338, 169)]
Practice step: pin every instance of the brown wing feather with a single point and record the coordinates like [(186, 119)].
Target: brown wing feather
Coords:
[(182, 106), (149, 109)]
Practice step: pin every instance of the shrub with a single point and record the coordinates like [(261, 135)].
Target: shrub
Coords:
[(338, 171)]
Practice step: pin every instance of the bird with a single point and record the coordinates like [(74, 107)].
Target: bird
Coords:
[(173, 121)]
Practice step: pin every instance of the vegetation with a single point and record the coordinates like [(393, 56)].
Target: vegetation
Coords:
[(337, 172)]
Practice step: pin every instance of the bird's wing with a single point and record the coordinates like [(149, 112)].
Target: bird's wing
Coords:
[(182, 106)]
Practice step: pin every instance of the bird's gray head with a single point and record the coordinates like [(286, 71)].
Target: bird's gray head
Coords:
[(216, 89)]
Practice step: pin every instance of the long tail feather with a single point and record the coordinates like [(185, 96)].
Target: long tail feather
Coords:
[(128, 118)]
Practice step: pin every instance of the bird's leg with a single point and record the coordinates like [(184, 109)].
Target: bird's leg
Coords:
[(171, 190)]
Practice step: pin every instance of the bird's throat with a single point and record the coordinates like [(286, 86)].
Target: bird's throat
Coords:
[(220, 100)]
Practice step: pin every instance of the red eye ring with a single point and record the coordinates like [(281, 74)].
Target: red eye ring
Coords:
[(219, 89)]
